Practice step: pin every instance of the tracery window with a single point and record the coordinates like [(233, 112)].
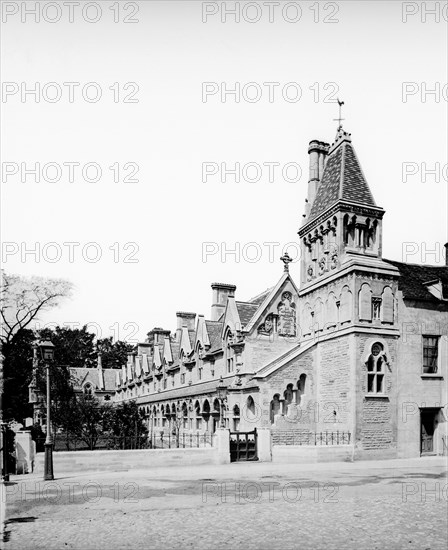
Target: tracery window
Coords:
[(376, 370)]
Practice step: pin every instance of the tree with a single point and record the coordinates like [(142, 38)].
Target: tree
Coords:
[(92, 419), (177, 421), (22, 299), (17, 373), (73, 348), (113, 354), (128, 423)]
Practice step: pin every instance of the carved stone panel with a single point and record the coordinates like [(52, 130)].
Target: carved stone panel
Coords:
[(286, 315)]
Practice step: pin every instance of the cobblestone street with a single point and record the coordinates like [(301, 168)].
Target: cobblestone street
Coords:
[(369, 505)]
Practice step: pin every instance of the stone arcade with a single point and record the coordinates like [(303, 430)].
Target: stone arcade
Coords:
[(359, 348)]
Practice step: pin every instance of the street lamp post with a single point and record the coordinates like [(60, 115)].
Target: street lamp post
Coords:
[(221, 391), (47, 354)]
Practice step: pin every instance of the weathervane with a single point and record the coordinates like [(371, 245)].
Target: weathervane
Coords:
[(340, 119)]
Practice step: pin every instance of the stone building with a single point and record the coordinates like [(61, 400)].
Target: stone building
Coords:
[(358, 349), (98, 382)]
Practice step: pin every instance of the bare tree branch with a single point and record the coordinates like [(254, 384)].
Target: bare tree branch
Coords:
[(23, 298)]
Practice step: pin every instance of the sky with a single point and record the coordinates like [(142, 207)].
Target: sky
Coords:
[(152, 126)]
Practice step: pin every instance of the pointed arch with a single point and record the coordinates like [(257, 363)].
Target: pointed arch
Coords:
[(331, 311), (206, 407), (275, 407), (387, 309), (301, 384), (365, 302), (346, 306), (319, 318)]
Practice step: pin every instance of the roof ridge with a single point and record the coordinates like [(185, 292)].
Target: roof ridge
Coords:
[(416, 265), (342, 178)]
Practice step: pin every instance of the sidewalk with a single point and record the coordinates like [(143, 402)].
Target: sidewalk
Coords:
[(255, 469)]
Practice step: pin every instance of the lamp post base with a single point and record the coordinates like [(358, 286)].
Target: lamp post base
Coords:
[(48, 467)]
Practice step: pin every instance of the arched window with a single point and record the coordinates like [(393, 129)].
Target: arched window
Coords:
[(288, 394), (230, 354), (197, 410), (275, 407), (206, 410), (236, 418), (301, 388), (88, 389), (375, 369), (250, 406)]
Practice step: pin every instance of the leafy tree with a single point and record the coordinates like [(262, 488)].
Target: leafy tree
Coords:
[(17, 373), (127, 422), (74, 348), (63, 401), (92, 419), (113, 354)]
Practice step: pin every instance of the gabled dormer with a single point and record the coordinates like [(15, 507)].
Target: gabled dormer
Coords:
[(276, 315), (202, 339)]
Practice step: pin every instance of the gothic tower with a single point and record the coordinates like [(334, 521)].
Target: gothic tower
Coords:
[(348, 299), (342, 223)]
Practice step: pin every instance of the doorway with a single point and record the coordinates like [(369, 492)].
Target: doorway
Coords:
[(428, 424)]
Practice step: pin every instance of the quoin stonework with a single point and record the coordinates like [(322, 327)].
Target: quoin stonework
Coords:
[(357, 349)]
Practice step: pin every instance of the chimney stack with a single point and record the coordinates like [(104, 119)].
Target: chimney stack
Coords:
[(446, 254), (221, 293), (184, 319), (156, 335), (318, 151)]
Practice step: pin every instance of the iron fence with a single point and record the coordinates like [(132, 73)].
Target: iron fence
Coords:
[(181, 440), (310, 438), (106, 443)]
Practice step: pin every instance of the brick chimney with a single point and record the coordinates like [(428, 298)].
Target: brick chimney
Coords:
[(318, 151), (157, 335), (220, 294), (184, 319)]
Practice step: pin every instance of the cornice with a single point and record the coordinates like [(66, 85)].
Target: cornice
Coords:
[(381, 269), (347, 206)]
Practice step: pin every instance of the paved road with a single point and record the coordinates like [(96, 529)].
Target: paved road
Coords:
[(365, 505)]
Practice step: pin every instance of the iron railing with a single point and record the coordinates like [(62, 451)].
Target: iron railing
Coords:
[(154, 441), (310, 438), (181, 441)]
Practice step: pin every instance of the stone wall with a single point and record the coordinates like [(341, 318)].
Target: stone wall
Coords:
[(334, 385), (376, 414), (417, 390), (303, 414), (289, 454)]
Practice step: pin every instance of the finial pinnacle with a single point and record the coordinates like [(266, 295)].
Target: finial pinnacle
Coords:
[(286, 259)]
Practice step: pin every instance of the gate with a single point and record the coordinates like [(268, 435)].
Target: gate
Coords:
[(243, 446)]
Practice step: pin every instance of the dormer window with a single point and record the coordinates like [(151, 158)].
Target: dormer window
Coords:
[(88, 389), (435, 287)]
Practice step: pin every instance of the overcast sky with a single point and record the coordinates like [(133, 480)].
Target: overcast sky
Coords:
[(363, 53)]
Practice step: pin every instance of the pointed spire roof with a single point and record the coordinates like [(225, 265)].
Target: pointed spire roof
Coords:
[(343, 178)]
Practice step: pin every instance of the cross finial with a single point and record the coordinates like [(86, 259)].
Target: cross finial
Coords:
[(340, 119), (286, 259)]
